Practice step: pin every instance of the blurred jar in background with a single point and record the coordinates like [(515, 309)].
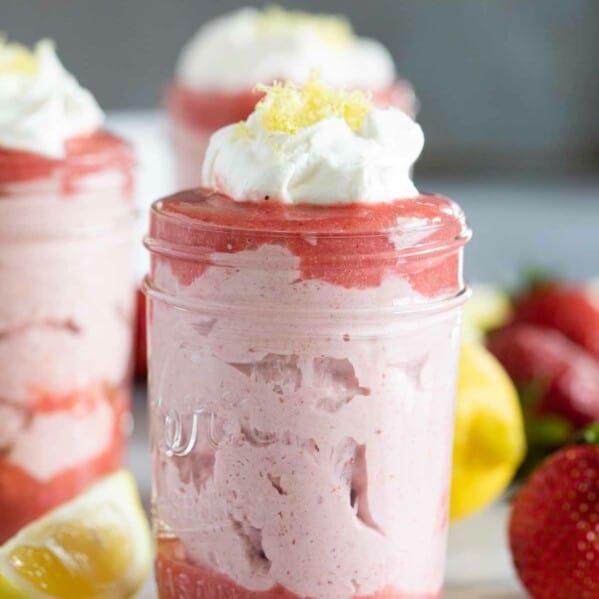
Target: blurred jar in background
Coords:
[(66, 287), (219, 68)]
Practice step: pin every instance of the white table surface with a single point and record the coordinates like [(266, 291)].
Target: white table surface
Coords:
[(479, 565)]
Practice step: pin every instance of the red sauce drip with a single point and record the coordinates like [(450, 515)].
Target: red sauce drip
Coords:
[(345, 245), (23, 498)]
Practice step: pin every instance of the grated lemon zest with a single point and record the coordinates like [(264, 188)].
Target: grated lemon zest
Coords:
[(16, 59), (334, 30), (287, 108)]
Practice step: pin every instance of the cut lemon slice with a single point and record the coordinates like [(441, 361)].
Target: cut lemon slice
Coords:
[(489, 432), (97, 546)]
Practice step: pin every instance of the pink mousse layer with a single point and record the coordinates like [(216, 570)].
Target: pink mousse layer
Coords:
[(324, 424), (195, 115)]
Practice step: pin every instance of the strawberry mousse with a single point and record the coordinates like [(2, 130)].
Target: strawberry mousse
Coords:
[(220, 66), (66, 229), (303, 329)]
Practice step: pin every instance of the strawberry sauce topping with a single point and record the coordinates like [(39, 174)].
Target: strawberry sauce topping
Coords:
[(351, 246), (85, 155)]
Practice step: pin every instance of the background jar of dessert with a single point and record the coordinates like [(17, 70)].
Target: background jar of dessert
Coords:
[(219, 68), (66, 289)]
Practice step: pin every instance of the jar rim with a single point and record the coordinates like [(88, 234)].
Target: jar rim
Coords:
[(269, 311), (329, 223), (87, 154)]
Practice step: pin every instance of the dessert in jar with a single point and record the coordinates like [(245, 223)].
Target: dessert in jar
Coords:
[(220, 66), (304, 312), (66, 286)]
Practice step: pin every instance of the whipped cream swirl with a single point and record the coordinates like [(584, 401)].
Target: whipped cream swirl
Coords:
[(346, 152), (237, 50), (41, 104)]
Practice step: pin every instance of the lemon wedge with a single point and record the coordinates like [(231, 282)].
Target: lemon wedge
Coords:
[(97, 546), (287, 108), (489, 443)]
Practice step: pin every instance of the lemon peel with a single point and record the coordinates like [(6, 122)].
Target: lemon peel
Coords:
[(16, 58), (334, 30), (489, 443), (97, 546), (287, 108)]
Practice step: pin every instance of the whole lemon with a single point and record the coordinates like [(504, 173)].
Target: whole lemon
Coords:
[(489, 442)]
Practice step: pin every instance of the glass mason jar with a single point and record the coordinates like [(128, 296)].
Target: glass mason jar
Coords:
[(302, 378), (66, 301), (194, 115)]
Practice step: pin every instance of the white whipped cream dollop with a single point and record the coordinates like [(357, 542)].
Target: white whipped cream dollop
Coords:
[(327, 162), (237, 50), (41, 104)]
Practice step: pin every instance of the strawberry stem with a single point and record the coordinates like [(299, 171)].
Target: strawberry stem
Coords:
[(531, 279), (590, 435)]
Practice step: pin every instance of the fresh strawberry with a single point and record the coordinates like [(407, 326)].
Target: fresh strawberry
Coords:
[(570, 309), (564, 376), (554, 526)]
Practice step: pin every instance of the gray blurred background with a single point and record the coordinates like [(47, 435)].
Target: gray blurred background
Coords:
[(505, 85), (509, 93)]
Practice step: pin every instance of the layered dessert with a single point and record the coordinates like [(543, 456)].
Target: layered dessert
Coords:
[(66, 286), (220, 66), (304, 328)]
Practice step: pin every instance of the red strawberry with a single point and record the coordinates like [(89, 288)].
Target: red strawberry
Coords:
[(565, 375), (569, 309), (554, 527)]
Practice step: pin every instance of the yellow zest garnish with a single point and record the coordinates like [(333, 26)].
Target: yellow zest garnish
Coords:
[(287, 108), (16, 59), (242, 130), (334, 30)]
